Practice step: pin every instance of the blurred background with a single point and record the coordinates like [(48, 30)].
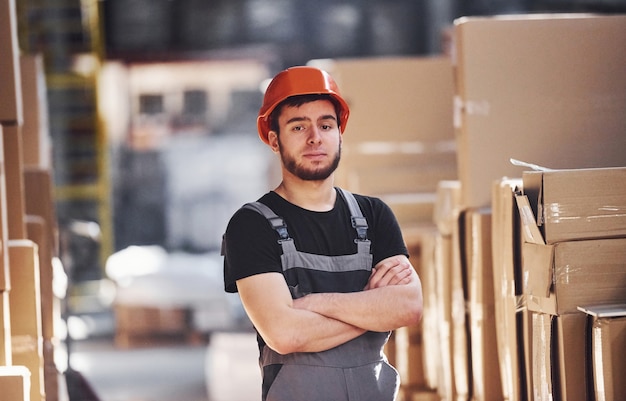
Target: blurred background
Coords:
[(151, 106)]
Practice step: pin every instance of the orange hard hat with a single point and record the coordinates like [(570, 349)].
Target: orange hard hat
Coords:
[(301, 80)]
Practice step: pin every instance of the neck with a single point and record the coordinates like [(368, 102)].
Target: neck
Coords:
[(318, 196)]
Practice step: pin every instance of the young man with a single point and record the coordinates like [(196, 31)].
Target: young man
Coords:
[(323, 274)]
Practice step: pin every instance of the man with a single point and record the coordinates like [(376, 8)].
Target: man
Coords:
[(323, 274)]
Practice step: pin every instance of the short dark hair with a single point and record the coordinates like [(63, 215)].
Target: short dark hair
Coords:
[(297, 101)]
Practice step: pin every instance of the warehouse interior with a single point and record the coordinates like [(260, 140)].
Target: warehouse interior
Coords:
[(494, 129)]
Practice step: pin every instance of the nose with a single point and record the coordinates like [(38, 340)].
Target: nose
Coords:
[(315, 135)]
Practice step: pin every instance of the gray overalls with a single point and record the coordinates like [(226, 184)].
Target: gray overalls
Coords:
[(354, 371)]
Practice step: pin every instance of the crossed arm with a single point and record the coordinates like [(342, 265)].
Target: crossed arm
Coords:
[(317, 322)]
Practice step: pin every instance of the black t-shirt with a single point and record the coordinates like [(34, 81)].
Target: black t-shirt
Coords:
[(251, 244)]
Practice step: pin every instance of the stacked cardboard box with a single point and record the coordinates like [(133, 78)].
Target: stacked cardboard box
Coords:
[(574, 254), (512, 104), (27, 223)]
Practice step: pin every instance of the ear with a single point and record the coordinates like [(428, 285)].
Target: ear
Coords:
[(272, 138)]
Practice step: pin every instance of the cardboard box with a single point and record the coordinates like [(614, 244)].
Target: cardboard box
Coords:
[(15, 383), (571, 375), (25, 309), (40, 201), (13, 164), (558, 357), (521, 95), (10, 88), (37, 232), (461, 358), (560, 277), (541, 368), (578, 204), (607, 341), (431, 359), (443, 272), (507, 269), (485, 370), (36, 130)]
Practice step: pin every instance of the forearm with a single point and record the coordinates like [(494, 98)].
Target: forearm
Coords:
[(379, 309), (313, 332)]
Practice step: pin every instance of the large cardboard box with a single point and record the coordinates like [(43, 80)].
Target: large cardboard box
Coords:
[(607, 341), (579, 203), (560, 277), (10, 89), (506, 257), (546, 89), (15, 383)]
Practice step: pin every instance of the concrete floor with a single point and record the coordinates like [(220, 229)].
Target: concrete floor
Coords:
[(225, 370)]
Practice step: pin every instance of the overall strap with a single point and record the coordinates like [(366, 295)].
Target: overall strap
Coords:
[(358, 220), (359, 223), (275, 221)]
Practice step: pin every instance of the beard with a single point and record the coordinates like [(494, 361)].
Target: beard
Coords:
[(319, 173)]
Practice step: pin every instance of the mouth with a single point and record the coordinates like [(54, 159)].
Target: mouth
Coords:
[(315, 155)]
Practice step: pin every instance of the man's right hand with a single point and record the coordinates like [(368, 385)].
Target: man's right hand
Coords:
[(391, 271)]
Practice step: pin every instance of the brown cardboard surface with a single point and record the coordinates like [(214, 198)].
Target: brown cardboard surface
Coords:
[(39, 201), (521, 95), (10, 88), (25, 309), (443, 269), (408, 356), (15, 383), (506, 255), (399, 141), (397, 99), (35, 130), (460, 329), (541, 361), (571, 353), (430, 318), (485, 370), (608, 346), (579, 203), (25, 294), (577, 273), (13, 164), (447, 206), (37, 232), (4, 230), (5, 329)]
